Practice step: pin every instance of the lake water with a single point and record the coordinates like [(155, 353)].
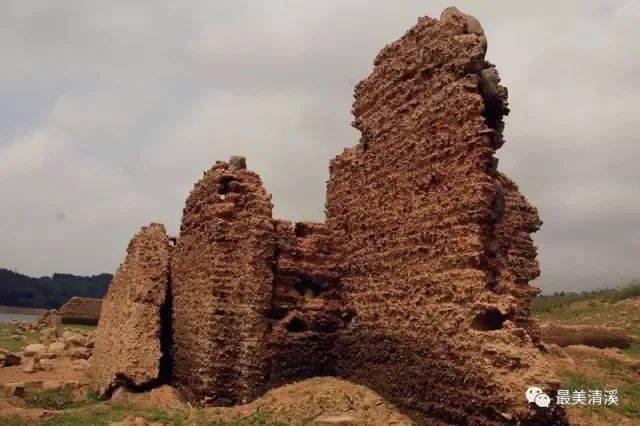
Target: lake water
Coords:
[(6, 317)]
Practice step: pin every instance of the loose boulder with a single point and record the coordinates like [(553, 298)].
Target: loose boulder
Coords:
[(598, 337), (8, 359), (56, 349), (34, 350), (81, 310), (127, 346)]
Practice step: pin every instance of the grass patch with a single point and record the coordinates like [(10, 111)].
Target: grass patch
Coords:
[(49, 400), (79, 327), (629, 394), (610, 308), (104, 414), (549, 303), (630, 403), (575, 381), (616, 369), (7, 342), (633, 350), (59, 400), (12, 421)]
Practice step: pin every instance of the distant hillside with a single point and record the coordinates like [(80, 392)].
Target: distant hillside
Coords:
[(48, 292)]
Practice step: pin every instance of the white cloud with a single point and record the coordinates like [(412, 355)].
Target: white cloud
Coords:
[(110, 111)]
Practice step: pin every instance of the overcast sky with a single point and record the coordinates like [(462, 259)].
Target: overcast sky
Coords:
[(110, 111)]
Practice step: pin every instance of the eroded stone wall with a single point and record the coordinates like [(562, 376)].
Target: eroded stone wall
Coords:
[(306, 311), (418, 283), (416, 209), (128, 348), (222, 282)]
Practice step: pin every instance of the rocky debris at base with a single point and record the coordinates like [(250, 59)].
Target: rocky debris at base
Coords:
[(14, 389), (325, 399), (31, 364), (8, 359), (81, 365), (336, 421), (56, 349), (55, 342), (49, 319)]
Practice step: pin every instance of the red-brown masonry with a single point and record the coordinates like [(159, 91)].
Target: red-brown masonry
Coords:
[(222, 279), (306, 311), (417, 285), (436, 277), (128, 345)]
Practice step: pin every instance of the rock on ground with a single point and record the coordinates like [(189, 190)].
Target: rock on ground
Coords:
[(127, 346), (81, 310), (598, 337), (8, 359)]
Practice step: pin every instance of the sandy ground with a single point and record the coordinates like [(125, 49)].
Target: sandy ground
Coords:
[(63, 370), (20, 310)]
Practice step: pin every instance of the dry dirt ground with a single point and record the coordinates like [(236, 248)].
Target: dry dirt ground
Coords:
[(310, 402), (584, 368), (303, 403)]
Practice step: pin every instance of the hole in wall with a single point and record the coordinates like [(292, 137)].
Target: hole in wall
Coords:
[(491, 319), (296, 325), (226, 184)]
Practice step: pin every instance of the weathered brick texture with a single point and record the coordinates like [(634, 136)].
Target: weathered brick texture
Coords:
[(128, 338), (222, 280), (417, 209)]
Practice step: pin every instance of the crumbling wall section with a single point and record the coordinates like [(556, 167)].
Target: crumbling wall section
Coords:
[(128, 338), (414, 208), (306, 312), (517, 253), (221, 285)]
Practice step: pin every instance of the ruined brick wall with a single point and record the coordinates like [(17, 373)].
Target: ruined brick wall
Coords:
[(81, 310), (306, 311), (517, 254), (222, 278), (416, 208), (128, 338)]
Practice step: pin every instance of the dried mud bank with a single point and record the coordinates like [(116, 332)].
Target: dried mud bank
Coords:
[(416, 285)]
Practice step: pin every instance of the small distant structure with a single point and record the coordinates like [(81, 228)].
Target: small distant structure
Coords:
[(81, 310)]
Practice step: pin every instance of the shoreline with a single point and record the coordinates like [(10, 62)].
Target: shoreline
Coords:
[(21, 310)]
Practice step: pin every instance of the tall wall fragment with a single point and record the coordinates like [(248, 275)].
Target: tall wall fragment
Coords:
[(221, 284), (436, 277), (306, 311), (128, 338)]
